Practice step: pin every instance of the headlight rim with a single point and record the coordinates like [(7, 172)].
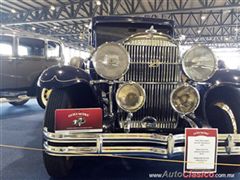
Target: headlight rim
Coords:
[(188, 51), (128, 60), (131, 83), (198, 97)]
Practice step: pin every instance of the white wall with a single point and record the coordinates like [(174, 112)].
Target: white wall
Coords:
[(231, 57)]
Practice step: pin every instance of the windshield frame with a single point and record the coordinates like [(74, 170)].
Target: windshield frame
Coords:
[(136, 22)]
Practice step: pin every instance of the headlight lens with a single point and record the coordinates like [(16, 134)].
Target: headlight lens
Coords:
[(111, 61), (185, 99), (199, 63), (130, 97)]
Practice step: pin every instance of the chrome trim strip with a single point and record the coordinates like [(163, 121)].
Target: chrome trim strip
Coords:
[(59, 80), (110, 96), (76, 151), (170, 144), (79, 131), (68, 137), (159, 63), (225, 136), (162, 39), (223, 83), (228, 110), (190, 121), (113, 137), (140, 82)]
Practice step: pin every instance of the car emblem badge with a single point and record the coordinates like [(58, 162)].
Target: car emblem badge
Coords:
[(79, 122), (154, 63)]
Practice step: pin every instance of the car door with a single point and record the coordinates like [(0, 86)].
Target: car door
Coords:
[(31, 55), (8, 78)]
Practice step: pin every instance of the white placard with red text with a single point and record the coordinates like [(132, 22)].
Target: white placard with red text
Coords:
[(200, 150)]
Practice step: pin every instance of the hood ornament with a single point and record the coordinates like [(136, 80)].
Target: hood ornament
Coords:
[(151, 30)]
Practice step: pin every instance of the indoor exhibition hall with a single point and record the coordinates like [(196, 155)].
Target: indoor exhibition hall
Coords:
[(119, 89)]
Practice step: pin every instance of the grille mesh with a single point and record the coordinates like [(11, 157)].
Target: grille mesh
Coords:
[(155, 65)]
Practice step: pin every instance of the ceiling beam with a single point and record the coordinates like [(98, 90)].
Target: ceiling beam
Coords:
[(135, 11)]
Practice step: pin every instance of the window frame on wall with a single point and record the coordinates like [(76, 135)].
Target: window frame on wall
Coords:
[(43, 55), (13, 45)]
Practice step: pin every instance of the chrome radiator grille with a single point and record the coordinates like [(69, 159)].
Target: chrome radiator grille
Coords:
[(155, 65)]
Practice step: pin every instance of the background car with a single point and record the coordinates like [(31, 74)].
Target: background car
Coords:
[(23, 57)]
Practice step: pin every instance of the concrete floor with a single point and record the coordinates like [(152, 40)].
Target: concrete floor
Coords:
[(21, 126)]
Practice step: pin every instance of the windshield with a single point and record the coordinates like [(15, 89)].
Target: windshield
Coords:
[(110, 32)]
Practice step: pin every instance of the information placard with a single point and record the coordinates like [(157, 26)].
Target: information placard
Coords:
[(78, 120), (200, 150)]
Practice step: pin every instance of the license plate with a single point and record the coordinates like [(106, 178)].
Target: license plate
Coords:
[(82, 120)]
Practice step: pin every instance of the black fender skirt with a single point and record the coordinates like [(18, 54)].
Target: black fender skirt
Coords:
[(62, 76)]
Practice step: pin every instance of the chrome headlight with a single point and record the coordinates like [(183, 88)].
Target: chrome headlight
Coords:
[(199, 63), (111, 61), (130, 97), (185, 99)]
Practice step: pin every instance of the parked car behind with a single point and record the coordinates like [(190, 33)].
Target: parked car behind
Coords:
[(23, 57), (131, 99)]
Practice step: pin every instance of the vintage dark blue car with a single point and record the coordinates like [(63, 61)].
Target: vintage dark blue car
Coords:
[(136, 95)]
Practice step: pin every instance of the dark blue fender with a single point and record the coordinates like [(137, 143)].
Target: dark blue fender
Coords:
[(75, 80), (224, 83), (62, 76), (226, 76)]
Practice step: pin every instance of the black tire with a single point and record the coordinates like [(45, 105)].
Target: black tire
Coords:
[(40, 100), (57, 166), (219, 118), (19, 103)]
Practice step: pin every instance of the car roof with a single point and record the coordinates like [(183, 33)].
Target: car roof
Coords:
[(18, 32), (127, 19)]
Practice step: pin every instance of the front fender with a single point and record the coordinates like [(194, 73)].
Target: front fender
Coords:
[(226, 76), (219, 92), (223, 83), (62, 76)]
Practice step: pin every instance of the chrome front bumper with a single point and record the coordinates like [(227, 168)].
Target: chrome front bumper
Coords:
[(76, 144)]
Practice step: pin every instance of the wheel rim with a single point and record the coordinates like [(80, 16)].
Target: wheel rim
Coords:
[(45, 95)]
